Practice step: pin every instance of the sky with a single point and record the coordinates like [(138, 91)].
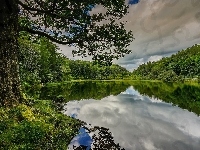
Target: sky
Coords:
[(160, 28)]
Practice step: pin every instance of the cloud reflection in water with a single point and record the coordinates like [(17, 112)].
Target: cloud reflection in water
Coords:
[(139, 122)]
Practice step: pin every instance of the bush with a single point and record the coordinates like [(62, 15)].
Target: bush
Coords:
[(38, 126)]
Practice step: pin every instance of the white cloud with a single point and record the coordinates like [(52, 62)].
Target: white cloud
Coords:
[(154, 58), (160, 27)]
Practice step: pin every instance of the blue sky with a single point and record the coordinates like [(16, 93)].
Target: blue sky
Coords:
[(133, 1), (160, 28)]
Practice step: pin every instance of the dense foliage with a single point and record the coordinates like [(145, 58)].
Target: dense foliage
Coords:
[(36, 123), (101, 35), (73, 23), (36, 126), (41, 63), (89, 70), (185, 64)]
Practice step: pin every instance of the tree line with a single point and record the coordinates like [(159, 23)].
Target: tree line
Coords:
[(64, 22), (180, 66), (40, 62)]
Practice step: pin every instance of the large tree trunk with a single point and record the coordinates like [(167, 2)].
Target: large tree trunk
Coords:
[(10, 92)]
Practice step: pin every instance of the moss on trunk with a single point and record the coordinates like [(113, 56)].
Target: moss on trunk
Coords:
[(9, 69)]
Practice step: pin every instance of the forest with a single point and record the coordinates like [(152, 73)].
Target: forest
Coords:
[(49, 78), (41, 63), (31, 65), (181, 66), (35, 77)]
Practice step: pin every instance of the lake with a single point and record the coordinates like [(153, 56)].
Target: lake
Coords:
[(139, 115)]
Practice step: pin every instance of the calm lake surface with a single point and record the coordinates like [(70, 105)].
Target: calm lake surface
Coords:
[(140, 115)]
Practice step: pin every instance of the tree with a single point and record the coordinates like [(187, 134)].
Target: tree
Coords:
[(64, 22), (39, 61)]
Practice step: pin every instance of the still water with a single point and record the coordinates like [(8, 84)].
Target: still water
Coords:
[(143, 116)]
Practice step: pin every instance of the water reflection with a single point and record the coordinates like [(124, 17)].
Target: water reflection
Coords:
[(186, 96), (82, 140), (140, 122), (64, 92)]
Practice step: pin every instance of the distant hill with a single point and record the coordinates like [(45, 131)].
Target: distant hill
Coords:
[(182, 65)]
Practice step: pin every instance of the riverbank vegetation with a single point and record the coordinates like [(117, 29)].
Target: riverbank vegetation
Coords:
[(46, 80), (29, 61), (182, 66), (36, 125), (46, 77), (41, 63), (49, 79), (35, 77)]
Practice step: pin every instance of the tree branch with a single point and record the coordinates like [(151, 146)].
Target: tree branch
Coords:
[(31, 8), (54, 5), (49, 12), (51, 37)]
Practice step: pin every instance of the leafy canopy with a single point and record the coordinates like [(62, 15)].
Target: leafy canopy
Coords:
[(70, 22)]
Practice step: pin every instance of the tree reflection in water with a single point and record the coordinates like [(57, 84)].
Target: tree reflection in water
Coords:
[(102, 140)]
